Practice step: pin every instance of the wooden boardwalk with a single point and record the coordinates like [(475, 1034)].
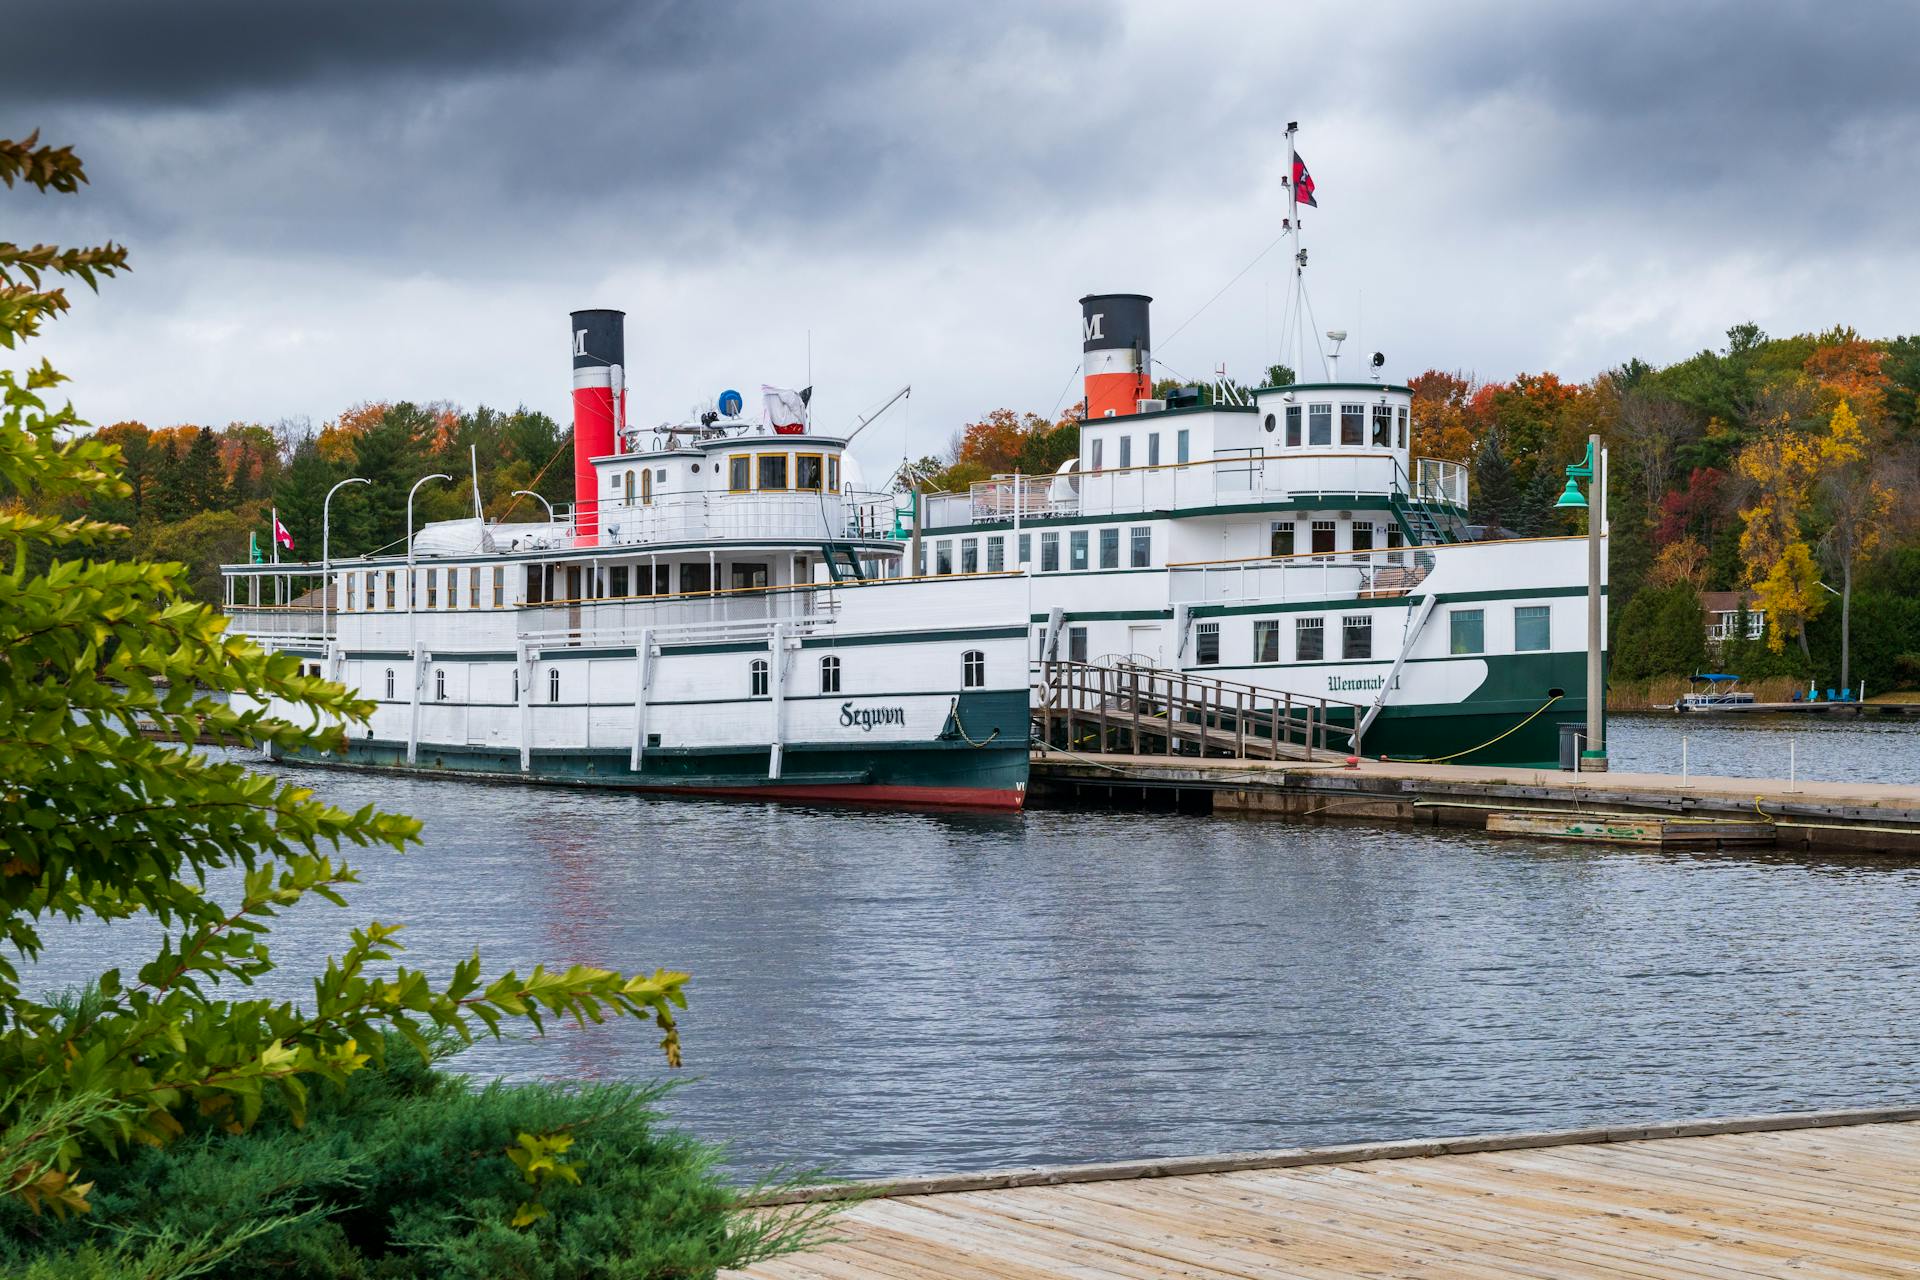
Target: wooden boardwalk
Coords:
[(1765, 1199)]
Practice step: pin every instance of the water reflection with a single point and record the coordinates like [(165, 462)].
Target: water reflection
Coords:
[(892, 993)]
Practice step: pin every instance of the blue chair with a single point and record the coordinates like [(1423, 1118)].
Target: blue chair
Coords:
[(1797, 696), (1846, 695), (1832, 696)]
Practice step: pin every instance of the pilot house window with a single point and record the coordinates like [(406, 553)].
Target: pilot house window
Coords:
[(1293, 426), (1353, 424), (1382, 426), (1319, 424), (807, 471), (773, 471), (739, 473)]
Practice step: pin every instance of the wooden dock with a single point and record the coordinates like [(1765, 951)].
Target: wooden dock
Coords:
[(1819, 1195), (1856, 816)]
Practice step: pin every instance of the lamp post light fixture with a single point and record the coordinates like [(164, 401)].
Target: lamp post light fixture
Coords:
[(326, 560), (1593, 469), (413, 628), (528, 493)]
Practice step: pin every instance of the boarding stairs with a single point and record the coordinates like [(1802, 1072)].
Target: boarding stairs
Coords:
[(1125, 707)]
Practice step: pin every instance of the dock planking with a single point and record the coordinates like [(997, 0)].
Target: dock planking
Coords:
[(1818, 1195), (1859, 816)]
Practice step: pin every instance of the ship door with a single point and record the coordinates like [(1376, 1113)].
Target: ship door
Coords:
[(573, 598), (1143, 644)]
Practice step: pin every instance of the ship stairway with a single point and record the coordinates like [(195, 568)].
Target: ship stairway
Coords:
[(1129, 708), (1423, 527)]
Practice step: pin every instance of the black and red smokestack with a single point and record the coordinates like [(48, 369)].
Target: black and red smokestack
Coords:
[(1116, 352), (599, 409)]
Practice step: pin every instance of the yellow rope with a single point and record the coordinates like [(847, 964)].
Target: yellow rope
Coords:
[(1489, 742)]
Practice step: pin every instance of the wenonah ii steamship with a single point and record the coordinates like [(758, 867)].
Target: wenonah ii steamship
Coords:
[(721, 610), (1282, 542)]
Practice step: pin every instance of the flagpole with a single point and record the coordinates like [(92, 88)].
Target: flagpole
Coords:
[(1293, 229)]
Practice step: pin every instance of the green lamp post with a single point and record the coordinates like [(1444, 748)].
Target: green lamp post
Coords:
[(1592, 469)]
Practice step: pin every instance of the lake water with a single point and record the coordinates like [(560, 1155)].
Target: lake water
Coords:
[(882, 993)]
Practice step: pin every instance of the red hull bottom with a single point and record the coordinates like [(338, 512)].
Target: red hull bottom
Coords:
[(893, 796)]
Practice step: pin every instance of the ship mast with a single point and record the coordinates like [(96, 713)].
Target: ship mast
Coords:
[(1302, 309)]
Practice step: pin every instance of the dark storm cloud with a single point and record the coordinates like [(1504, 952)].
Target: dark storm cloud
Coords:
[(426, 132), (1802, 116)]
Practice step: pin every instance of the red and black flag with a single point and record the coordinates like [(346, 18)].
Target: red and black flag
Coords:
[(1303, 183)]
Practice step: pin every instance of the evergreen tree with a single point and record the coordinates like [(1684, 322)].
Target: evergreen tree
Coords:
[(388, 456), (299, 497), (167, 499), (1663, 632), (1496, 502), (1281, 375), (1537, 515), (203, 481)]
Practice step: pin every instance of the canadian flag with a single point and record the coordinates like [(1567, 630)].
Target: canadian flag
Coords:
[(280, 534)]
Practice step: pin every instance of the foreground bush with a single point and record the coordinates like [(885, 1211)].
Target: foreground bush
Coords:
[(407, 1172)]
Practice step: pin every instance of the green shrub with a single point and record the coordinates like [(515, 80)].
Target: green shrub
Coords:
[(405, 1172)]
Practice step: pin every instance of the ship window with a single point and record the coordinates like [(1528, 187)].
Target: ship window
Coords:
[(663, 579), (739, 473), (1323, 537), (630, 488), (695, 578), (833, 474), (773, 470), (757, 678), (1109, 548), (1142, 545), (1126, 451), (1353, 424), (1095, 456), (1181, 450), (1266, 639), (973, 669), (1362, 535), (1356, 635), (433, 587), (349, 580), (618, 584), (1293, 425), (807, 471), (1271, 423), (1025, 548), (969, 555), (1076, 644), (1402, 415), (1319, 424), (516, 684), (1382, 426), (646, 486), (1532, 628), (536, 584), (749, 577), (440, 684), (389, 684), (499, 587), (1206, 644), (1153, 449), (996, 554), (1469, 631), (1395, 540), (453, 588), (1049, 553), (553, 684), (390, 591), (1309, 639), (1077, 550), (473, 587), (943, 557), (372, 579), (1280, 538), (829, 674)]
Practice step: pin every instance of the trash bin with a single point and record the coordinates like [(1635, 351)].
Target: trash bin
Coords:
[(1573, 736)]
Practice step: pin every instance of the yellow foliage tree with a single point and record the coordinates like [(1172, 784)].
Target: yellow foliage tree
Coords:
[(1790, 594), (1682, 560)]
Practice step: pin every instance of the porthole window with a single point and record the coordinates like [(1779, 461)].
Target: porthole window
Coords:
[(389, 684), (553, 684), (829, 674), (1272, 422), (973, 669), (757, 678)]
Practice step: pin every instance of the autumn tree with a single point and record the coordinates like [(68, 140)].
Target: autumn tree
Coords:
[(1445, 422)]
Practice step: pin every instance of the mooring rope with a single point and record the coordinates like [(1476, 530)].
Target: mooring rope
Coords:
[(1489, 742)]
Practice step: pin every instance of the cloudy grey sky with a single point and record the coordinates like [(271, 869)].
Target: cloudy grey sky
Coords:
[(381, 201)]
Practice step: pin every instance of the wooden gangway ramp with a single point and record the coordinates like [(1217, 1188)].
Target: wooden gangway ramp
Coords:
[(1816, 1195)]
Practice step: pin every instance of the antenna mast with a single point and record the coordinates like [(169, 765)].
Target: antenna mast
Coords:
[(1299, 255)]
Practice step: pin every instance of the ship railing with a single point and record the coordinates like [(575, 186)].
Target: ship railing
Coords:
[(727, 631), (1440, 481), (1135, 709), (805, 514), (289, 624), (1346, 575)]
